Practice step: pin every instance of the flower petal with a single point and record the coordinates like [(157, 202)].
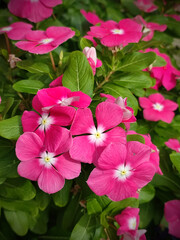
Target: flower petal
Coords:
[(28, 146), (50, 181), (67, 167), (108, 115), (30, 169)]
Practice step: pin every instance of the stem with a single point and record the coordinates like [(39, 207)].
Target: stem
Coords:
[(7, 43), (54, 17), (52, 61), (103, 82)]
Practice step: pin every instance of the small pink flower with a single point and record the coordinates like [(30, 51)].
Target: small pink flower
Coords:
[(91, 141), (41, 42), (56, 82), (94, 62), (113, 34), (146, 5), (166, 75), (33, 10), (121, 170), (91, 17), (128, 112), (128, 221), (17, 30), (172, 215), (62, 96), (157, 108), (48, 161), (174, 144), (149, 28), (154, 156), (43, 121)]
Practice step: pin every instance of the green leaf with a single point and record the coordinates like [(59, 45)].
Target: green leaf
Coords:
[(11, 128), (19, 205), (79, 76), (159, 62), (38, 224), (146, 194), (93, 206), (115, 207), (117, 91), (19, 189), (85, 228), (8, 104), (8, 160), (85, 43), (136, 61), (42, 199), (164, 181), (135, 137), (133, 80), (28, 86), (175, 159), (146, 214), (31, 67), (18, 221), (61, 198)]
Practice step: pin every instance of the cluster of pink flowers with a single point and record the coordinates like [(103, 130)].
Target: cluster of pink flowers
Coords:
[(50, 153), (128, 221), (165, 76)]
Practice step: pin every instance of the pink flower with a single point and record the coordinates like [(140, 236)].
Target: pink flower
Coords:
[(128, 221), (149, 28), (90, 38), (62, 96), (157, 108), (172, 215), (48, 161), (56, 82), (17, 30), (146, 5), (33, 10), (154, 156), (91, 17), (41, 42), (121, 170), (94, 62), (166, 75), (113, 34), (43, 121), (174, 144), (88, 147), (128, 112)]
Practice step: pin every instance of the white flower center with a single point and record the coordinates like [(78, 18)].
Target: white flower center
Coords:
[(45, 121), (6, 29), (46, 40), (47, 159), (132, 223), (117, 31), (157, 106), (178, 149), (146, 30), (122, 172), (97, 135)]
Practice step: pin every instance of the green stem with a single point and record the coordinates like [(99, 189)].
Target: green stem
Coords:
[(103, 82), (7, 43), (52, 61)]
